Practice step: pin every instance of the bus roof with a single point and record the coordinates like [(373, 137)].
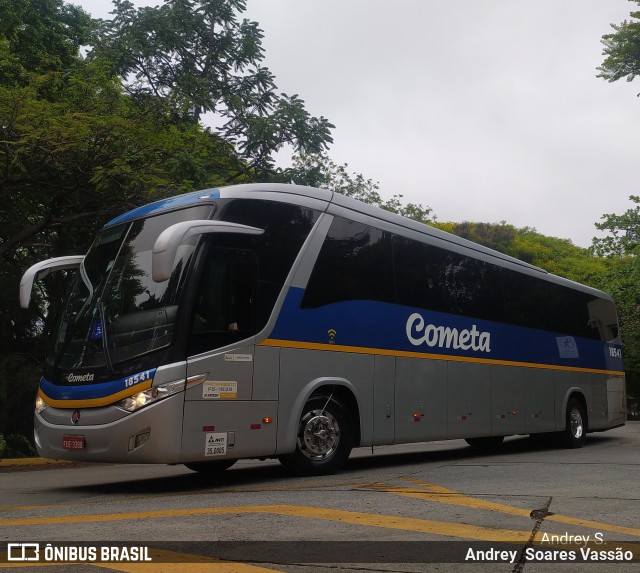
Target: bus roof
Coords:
[(324, 199)]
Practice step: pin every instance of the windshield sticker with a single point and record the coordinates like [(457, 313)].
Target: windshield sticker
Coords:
[(567, 347), (215, 444), (96, 331), (220, 390), (238, 357)]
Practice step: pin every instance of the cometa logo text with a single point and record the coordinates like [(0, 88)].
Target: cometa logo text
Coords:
[(80, 378), (418, 332)]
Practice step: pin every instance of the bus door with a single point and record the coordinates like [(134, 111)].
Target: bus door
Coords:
[(220, 418)]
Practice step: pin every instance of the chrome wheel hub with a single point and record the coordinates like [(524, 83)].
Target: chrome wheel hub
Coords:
[(319, 435), (577, 427)]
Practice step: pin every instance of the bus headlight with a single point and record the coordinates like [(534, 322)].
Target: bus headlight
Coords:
[(146, 397), (41, 405)]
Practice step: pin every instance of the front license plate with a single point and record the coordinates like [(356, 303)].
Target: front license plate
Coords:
[(73, 442)]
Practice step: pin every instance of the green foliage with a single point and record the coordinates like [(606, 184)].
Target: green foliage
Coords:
[(557, 256), (198, 57), (76, 161), (317, 170), (37, 37), (80, 143), (620, 248), (621, 245), (69, 165), (624, 237), (16, 446), (622, 50)]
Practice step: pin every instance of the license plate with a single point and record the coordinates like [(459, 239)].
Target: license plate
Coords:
[(73, 442)]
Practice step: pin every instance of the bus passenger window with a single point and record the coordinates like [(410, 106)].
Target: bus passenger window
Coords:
[(225, 299)]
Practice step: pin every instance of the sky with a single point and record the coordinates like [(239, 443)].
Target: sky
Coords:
[(483, 110)]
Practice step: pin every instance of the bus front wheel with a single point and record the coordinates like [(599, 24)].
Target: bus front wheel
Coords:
[(324, 439)]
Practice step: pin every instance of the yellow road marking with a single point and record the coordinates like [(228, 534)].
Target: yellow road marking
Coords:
[(12, 462), (421, 490), (445, 528), (448, 496), (439, 494), (234, 489), (448, 529)]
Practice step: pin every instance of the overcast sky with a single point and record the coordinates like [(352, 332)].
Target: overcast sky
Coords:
[(484, 110)]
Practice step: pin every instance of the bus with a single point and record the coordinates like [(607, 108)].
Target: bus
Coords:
[(282, 321)]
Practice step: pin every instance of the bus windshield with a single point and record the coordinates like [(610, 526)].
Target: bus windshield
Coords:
[(115, 311)]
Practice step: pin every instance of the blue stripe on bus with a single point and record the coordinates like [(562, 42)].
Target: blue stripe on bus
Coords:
[(91, 391), (378, 325), (166, 204)]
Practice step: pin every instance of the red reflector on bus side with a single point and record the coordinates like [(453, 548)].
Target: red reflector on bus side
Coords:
[(256, 426), (208, 428)]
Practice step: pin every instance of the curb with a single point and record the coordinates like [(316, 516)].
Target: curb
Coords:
[(15, 462)]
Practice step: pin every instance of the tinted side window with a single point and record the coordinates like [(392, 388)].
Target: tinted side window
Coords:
[(286, 228), (536, 303), (241, 276), (436, 279), (225, 304), (355, 263), (359, 262)]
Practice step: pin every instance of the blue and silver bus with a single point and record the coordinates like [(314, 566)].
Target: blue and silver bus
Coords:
[(280, 321)]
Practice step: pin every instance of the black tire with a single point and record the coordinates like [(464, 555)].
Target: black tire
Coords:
[(486, 444), (575, 432), (210, 468), (324, 439)]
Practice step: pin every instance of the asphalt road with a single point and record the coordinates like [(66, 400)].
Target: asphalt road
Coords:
[(421, 507)]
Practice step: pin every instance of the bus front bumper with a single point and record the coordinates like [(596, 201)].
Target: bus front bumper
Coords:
[(150, 435)]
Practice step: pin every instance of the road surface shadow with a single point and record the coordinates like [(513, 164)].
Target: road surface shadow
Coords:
[(243, 476)]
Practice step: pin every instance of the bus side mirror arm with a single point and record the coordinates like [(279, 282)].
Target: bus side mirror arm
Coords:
[(167, 244), (41, 270)]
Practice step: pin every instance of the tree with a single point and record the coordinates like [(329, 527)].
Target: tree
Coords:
[(624, 230), (622, 50), (68, 163), (318, 170), (199, 58), (558, 256), (621, 248), (39, 37)]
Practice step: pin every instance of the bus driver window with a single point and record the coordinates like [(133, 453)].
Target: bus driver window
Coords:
[(225, 299)]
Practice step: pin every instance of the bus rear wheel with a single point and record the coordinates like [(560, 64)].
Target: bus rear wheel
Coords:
[(324, 439), (575, 431), (210, 468)]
